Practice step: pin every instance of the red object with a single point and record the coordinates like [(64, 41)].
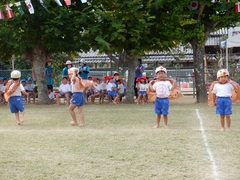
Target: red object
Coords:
[(138, 79), (68, 2), (194, 5), (237, 7), (1, 15), (9, 11), (144, 77), (115, 73)]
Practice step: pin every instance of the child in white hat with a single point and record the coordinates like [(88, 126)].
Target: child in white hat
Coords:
[(222, 92), (13, 93), (162, 86)]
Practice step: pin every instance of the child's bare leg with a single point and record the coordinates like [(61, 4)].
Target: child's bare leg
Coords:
[(228, 119), (34, 97), (21, 115), (222, 122), (165, 117), (139, 99), (158, 121), (67, 98), (72, 113), (81, 114), (17, 115), (144, 98)]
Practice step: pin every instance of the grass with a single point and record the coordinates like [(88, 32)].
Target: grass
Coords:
[(118, 142)]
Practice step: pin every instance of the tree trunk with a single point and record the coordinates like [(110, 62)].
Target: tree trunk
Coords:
[(39, 57), (132, 63), (198, 56)]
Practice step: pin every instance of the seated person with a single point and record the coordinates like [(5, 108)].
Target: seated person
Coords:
[(24, 83), (120, 91), (64, 91), (97, 89), (30, 89), (111, 89)]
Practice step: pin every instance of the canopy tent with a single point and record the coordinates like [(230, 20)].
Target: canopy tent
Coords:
[(233, 41)]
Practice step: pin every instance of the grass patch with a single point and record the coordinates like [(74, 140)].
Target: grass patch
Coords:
[(118, 142)]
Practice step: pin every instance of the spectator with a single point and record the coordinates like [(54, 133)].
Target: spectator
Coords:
[(1, 90), (138, 74), (49, 76), (65, 69), (64, 91), (30, 89), (142, 91), (111, 89), (83, 69), (120, 91)]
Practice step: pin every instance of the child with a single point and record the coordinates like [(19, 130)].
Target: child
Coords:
[(77, 97), (30, 89), (13, 92), (120, 91), (97, 90), (142, 90), (222, 92), (64, 91), (162, 86), (1, 89), (111, 89)]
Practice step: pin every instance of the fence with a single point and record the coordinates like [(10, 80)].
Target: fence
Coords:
[(183, 77)]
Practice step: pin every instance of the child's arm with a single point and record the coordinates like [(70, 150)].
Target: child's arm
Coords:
[(25, 93), (214, 99), (234, 84)]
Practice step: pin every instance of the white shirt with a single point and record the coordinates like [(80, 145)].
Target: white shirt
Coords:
[(65, 88), (110, 86), (29, 87), (162, 88), (143, 87), (104, 85), (120, 88), (1, 87), (18, 91), (223, 90)]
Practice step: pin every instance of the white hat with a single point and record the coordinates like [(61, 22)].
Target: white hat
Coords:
[(72, 70), (222, 72), (82, 61), (68, 62), (161, 68), (15, 74)]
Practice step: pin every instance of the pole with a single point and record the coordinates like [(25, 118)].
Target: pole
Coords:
[(13, 58), (226, 57)]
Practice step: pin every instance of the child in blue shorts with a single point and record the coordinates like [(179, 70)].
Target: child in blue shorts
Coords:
[(13, 94), (162, 86), (77, 96), (222, 92)]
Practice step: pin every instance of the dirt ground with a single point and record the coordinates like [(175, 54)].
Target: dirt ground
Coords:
[(185, 99)]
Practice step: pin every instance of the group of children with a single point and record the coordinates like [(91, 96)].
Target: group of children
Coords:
[(162, 86)]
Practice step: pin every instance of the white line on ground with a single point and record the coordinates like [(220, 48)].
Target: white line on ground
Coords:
[(208, 149)]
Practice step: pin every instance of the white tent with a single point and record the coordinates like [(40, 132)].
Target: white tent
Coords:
[(233, 41)]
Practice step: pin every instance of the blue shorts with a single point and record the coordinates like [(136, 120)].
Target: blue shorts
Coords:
[(223, 105), (77, 99), (112, 93), (142, 92), (16, 104), (161, 106)]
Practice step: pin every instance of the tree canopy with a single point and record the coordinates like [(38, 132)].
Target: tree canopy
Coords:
[(132, 26)]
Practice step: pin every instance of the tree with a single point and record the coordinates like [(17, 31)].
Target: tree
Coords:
[(193, 23), (126, 26), (38, 36)]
